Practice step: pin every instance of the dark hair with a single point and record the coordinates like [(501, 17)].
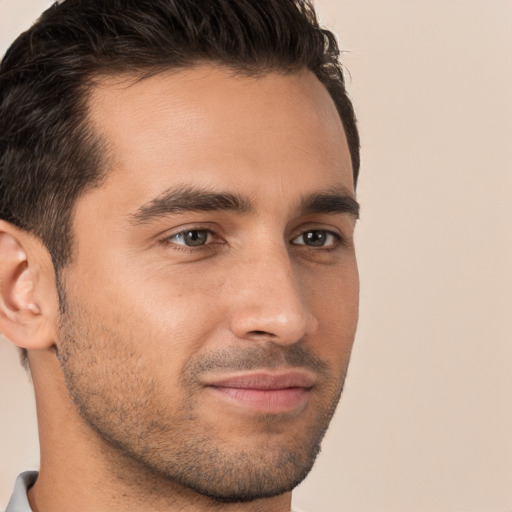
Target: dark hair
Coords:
[(48, 152)]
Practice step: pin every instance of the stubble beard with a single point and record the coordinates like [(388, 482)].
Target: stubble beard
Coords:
[(118, 398)]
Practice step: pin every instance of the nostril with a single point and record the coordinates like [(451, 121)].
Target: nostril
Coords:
[(261, 333)]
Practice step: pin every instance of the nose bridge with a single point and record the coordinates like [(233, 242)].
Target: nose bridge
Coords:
[(270, 302)]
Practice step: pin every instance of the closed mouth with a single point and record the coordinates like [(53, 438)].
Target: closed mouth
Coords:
[(268, 392)]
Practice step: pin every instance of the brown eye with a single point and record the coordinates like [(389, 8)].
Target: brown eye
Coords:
[(316, 238), (191, 237)]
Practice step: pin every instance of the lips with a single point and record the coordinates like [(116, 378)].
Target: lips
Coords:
[(270, 393)]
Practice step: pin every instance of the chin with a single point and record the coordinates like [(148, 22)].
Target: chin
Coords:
[(248, 477)]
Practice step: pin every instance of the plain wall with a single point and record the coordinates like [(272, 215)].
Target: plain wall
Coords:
[(425, 422)]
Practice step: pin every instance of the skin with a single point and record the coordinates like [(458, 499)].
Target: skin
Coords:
[(126, 419)]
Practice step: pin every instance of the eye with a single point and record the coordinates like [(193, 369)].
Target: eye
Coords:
[(317, 238), (191, 237)]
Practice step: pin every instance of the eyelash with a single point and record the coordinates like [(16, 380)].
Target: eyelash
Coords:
[(209, 233), (325, 232), (168, 240)]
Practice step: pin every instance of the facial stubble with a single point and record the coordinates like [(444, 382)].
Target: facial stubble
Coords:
[(118, 397)]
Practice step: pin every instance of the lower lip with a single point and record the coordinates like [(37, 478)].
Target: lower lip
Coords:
[(270, 401)]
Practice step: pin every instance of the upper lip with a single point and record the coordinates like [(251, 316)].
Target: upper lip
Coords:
[(265, 380)]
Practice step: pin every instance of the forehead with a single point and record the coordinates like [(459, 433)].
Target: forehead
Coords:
[(209, 126)]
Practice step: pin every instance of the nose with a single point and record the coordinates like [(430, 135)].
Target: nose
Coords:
[(269, 303)]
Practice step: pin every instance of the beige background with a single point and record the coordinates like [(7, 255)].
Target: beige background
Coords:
[(425, 423)]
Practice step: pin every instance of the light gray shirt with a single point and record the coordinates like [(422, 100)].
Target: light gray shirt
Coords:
[(19, 500)]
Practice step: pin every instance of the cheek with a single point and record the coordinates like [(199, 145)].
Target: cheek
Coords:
[(334, 300), (159, 317), (177, 312), (332, 291)]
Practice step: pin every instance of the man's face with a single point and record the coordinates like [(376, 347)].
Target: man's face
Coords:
[(212, 300)]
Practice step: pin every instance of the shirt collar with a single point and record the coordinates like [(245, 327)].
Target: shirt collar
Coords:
[(19, 499)]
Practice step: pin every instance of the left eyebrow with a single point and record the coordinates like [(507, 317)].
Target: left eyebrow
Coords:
[(190, 199), (335, 201)]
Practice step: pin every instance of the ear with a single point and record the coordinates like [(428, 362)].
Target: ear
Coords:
[(28, 294)]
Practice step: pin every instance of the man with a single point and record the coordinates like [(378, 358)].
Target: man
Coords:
[(176, 246)]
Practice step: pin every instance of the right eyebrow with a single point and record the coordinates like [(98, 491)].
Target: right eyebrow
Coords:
[(336, 200), (190, 199)]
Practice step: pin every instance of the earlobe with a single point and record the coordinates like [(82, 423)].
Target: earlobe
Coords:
[(27, 309)]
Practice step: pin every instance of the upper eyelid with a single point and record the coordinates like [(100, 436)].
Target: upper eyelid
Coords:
[(328, 231), (335, 231), (169, 237), (168, 233), (339, 239), (296, 232)]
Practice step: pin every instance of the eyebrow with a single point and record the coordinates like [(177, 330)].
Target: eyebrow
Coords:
[(336, 200), (192, 199)]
